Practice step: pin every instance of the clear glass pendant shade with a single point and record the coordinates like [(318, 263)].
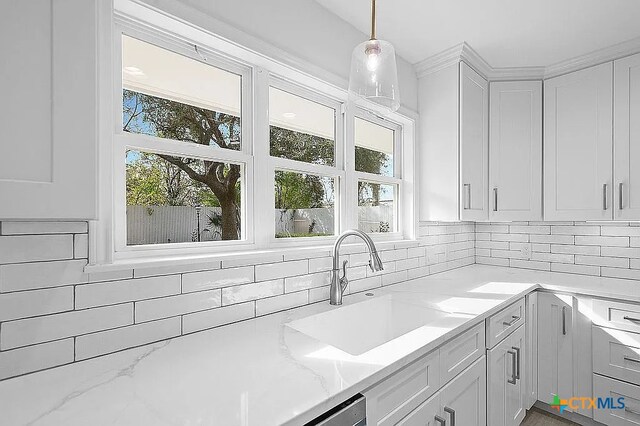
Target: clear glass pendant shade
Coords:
[(374, 75)]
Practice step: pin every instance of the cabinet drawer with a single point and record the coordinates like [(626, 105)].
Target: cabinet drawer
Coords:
[(503, 323), (616, 353), (461, 352), (623, 316), (395, 397), (605, 387)]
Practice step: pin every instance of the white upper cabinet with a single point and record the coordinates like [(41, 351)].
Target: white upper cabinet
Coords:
[(627, 138), (578, 145), (515, 151), (453, 150), (49, 119), (474, 145)]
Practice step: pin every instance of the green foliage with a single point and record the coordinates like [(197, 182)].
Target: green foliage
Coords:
[(370, 161), (301, 146), (301, 191)]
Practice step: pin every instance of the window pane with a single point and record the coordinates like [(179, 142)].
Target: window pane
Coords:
[(171, 96), (177, 199), (374, 148), (301, 129), (304, 205), (376, 207)]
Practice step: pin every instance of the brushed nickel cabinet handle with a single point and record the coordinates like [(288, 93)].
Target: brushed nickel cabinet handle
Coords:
[(604, 196), (518, 362), (628, 318), (495, 199), (626, 358), (513, 378), (629, 410), (452, 413), (467, 196), (440, 420), (564, 321), (620, 195), (514, 319)]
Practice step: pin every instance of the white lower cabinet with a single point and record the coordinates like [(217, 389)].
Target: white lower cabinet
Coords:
[(464, 400), (506, 392), (555, 346), (615, 414)]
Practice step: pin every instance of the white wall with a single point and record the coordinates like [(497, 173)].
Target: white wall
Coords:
[(301, 28)]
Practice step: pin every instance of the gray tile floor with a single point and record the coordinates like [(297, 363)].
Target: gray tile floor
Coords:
[(537, 417)]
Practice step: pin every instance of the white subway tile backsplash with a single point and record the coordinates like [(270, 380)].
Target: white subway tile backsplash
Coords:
[(253, 291), (575, 269), (153, 309), (197, 281), (602, 241), (153, 271), (552, 257), (32, 228), (485, 260), (530, 264), (630, 274), (570, 249), (32, 303), (281, 270), (552, 239), (29, 276), (631, 252), (101, 343), (112, 292), (280, 303), (575, 230), (34, 248), (617, 262), (216, 317), (356, 286), (81, 246), (321, 264), (33, 358), (304, 282), (530, 229), (110, 310), (523, 238), (59, 326), (623, 231)]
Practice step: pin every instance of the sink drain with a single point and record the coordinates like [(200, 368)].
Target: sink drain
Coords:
[(369, 294)]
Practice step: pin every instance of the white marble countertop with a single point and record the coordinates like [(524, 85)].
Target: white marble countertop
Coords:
[(263, 372)]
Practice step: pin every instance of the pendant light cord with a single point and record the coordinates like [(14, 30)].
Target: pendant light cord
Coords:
[(373, 19)]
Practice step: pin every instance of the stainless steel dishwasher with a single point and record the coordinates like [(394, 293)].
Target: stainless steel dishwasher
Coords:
[(352, 412)]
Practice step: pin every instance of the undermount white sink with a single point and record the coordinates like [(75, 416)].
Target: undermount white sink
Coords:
[(363, 326)]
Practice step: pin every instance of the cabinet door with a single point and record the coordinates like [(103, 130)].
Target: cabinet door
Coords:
[(505, 381), (427, 414), (627, 138), (49, 113), (464, 400), (555, 354), (515, 146), (578, 145), (474, 145)]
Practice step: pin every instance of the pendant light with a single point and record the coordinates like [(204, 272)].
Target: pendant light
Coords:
[(374, 75)]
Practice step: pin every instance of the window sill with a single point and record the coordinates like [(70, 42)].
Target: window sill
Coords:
[(193, 262)]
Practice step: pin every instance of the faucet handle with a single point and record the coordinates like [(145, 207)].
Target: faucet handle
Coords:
[(344, 281)]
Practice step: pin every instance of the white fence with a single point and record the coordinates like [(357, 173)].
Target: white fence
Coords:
[(178, 224)]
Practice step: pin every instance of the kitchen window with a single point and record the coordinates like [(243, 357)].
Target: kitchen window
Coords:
[(198, 167)]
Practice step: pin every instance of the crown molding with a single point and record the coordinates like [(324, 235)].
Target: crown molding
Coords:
[(596, 57), (464, 52)]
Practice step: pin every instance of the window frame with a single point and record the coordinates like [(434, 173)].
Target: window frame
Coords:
[(124, 141), (261, 65), (337, 171), (398, 171)]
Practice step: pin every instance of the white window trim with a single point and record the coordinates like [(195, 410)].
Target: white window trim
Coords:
[(159, 28)]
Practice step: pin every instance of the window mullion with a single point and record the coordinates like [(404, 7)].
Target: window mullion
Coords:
[(350, 186), (264, 212)]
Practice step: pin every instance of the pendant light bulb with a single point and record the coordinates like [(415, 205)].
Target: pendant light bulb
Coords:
[(374, 76)]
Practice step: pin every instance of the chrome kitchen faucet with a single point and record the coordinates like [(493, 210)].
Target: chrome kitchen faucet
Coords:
[(338, 285)]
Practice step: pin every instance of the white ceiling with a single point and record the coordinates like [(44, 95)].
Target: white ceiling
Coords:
[(506, 33)]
